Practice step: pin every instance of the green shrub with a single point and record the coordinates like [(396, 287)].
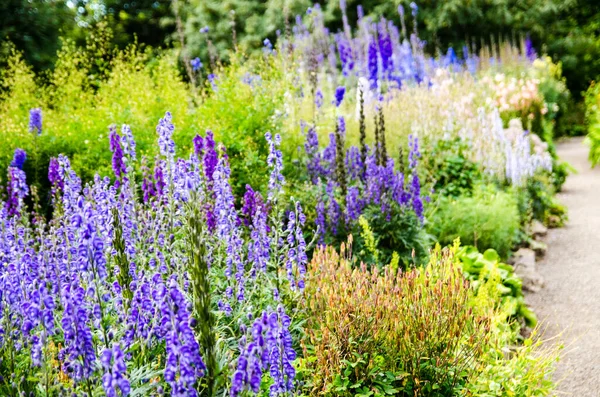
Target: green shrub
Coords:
[(592, 113), (537, 201), (488, 219), (453, 173)]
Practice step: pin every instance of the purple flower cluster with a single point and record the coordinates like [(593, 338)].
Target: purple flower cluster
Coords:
[(19, 159), (266, 347), (368, 184), (105, 290), (114, 379), (184, 365), (275, 161), (35, 120)]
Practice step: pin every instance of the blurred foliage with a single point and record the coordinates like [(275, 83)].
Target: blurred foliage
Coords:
[(487, 219), (34, 27), (129, 20)]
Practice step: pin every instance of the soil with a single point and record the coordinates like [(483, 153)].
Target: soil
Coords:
[(569, 304)]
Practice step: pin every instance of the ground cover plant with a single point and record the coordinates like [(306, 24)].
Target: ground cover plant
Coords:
[(184, 268)]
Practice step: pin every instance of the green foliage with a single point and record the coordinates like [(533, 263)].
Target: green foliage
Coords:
[(592, 113), (34, 27), (244, 104), (453, 173), (483, 268), (488, 219), (252, 21), (538, 202), (401, 233)]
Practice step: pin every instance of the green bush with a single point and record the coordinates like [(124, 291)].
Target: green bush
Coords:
[(453, 173), (592, 113), (488, 219)]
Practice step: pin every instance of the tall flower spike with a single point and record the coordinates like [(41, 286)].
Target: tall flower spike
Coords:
[(19, 159), (165, 129), (339, 95), (339, 155), (118, 163), (275, 161), (35, 120)]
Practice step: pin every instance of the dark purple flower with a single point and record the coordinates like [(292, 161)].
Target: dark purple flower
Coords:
[(339, 95), (19, 159), (118, 164)]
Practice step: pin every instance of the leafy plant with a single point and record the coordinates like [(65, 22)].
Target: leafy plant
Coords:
[(487, 219), (482, 267)]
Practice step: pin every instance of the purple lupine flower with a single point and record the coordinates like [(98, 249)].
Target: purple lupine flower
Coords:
[(165, 129), (17, 190), (115, 370), (35, 120), (118, 164), (196, 64), (414, 153), (339, 95), (184, 364), (148, 190), (212, 79), (414, 9), (259, 245), (334, 211), (19, 159), (267, 45), (311, 146), (275, 162), (346, 56), (529, 50), (210, 158), (385, 47), (159, 177), (319, 98), (54, 174), (354, 165), (372, 63), (128, 142), (320, 220), (281, 353), (353, 205), (415, 190), (79, 345), (252, 202), (329, 156), (198, 146)]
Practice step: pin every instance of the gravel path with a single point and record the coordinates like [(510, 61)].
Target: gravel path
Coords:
[(570, 301)]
